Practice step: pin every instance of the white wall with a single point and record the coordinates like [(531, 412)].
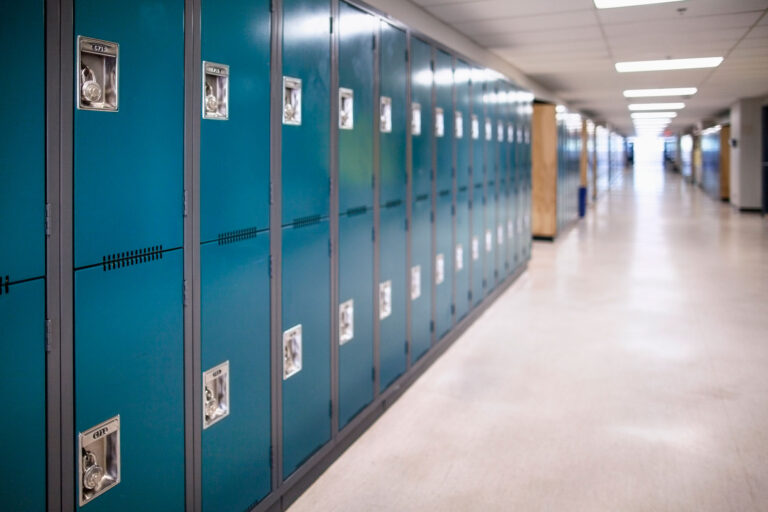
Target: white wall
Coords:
[(420, 20), (746, 157)]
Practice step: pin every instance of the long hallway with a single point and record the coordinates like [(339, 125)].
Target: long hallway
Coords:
[(626, 370)]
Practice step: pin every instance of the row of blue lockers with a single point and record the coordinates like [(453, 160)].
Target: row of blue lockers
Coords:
[(569, 143), (361, 190)]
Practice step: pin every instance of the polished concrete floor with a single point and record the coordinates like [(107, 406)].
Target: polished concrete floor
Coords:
[(627, 370)]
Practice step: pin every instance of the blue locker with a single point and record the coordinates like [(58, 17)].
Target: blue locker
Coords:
[(22, 375), (234, 153), (235, 328), (444, 252), (356, 200), (356, 284), (134, 369), (444, 131), (507, 171), (462, 254), (22, 144), (306, 147), (392, 342), (477, 245), (129, 164), (306, 302), (463, 134), (421, 95), (392, 195), (489, 239), (392, 74), (22, 257), (420, 283)]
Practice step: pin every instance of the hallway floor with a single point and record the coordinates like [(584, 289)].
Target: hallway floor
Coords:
[(627, 370)]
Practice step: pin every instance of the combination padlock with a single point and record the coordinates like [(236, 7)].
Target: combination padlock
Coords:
[(90, 90), (93, 473)]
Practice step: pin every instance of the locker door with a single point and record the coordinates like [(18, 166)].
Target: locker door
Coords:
[(306, 265), (422, 134), (128, 234), (420, 283), (22, 371), (443, 274), (356, 200), (489, 240), (234, 234), (22, 258), (306, 378), (477, 136), (392, 258), (462, 251)]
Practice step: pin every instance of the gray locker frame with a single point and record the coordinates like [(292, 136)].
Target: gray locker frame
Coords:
[(59, 66)]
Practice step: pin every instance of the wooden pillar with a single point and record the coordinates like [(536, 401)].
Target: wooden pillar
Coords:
[(544, 170), (725, 162)]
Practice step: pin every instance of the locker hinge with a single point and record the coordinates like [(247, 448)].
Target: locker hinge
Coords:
[(47, 219), (48, 335), (469, 295), (432, 65), (331, 19), (453, 210), (373, 373), (330, 408), (271, 194), (270, 266), (271, 9), (432, 217), (184, 290), (330, 247), (271, 457), (373, 234), (185, 202), (406, 224), (373, 44), (453, 309), (431, 326)]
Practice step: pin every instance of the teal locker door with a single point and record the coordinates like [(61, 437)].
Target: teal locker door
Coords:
[(129, 163), (420, 284), (128, 233), (422, 134), (129, 360), (489, 240), (444, 129), (356, 296), (306, 146), (356, 200), (234, 220), (22, 257), (477, 247), (235, 330), (443, 274), (462, 254), (462, 133), (392, 228), (392, 295), (307, 386), (22, 472)]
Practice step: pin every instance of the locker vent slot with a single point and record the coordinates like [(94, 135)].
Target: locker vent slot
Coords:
[(463, 188), (351, 212), (5, 285), (444, 193), (478, 185), (422, 197), (238, 235), (129, 258), (392, 204), (301, 222)]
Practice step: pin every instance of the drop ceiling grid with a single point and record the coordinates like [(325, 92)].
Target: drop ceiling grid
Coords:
[(570, 47)]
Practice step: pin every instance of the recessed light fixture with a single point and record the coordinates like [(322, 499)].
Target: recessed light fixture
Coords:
[(656, 106), (648, 93), (653, 115), (610, 4), (668, 64)]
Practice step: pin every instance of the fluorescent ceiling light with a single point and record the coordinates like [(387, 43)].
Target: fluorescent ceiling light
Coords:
[(656, 106), (647, 93), (667, 64), (609, 4), (653, 115)]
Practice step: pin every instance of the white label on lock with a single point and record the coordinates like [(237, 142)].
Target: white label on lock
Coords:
[(499, 131), (488, 240), (510, 229), (415, 282), (510, 133), (475, 127), (346, 109), (459, 257), (346, 321), (488, 130), (291, 101), (439, 122), (499, 235), (458, 124), (439, 269), (292, 351), (385, 299), (415, 119), (385, 105), (475, 248), (215, 394)]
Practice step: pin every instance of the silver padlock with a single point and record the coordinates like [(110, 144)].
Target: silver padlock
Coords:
[(211, 102), (90, 90), (93, 473)]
